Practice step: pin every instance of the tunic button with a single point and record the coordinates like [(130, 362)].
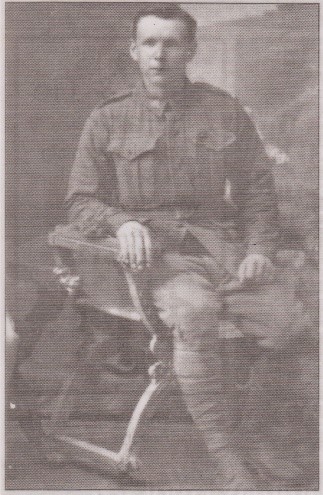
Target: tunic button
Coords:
[(202, 134)]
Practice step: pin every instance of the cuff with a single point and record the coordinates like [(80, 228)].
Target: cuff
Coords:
[(115, 221)]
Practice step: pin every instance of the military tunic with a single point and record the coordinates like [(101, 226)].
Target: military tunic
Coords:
[(196, 163)]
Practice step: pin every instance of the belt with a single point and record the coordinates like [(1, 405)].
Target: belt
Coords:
[(192, 246), (205, 217)]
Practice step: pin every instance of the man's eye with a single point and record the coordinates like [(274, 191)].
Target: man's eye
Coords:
[(150, 42), (171, 43)]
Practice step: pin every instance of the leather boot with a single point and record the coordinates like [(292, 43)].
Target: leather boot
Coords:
[(231, 470), (212, 398), (219, 427)]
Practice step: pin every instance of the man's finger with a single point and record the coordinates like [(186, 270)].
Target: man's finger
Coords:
[(124, 255), (260, 268), (131, 249), (139, 249), (147, 246), (250, 269)]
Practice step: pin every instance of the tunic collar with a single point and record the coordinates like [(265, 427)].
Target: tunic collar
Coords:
[(175, 103)]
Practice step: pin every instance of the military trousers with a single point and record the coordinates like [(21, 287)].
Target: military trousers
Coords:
[(193, 295)]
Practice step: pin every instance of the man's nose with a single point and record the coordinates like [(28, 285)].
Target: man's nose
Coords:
[(159, 51)]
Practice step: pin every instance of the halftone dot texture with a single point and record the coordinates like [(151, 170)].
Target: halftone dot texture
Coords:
[(62, 60)]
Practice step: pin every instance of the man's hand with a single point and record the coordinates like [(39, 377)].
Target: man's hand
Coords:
[(255, 267), (135, 245)]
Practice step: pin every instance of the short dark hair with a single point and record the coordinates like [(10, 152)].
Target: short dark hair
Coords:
[(166, 11)]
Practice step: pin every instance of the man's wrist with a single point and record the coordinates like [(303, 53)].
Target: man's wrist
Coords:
[(117, 220), (267, 250)]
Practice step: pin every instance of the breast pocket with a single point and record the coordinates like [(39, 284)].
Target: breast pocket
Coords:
[(134, 159), (213, 148)]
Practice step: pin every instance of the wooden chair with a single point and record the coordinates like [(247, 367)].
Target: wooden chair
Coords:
[(93, 277)]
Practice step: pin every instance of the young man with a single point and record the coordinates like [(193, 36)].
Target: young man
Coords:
[(180, 163)]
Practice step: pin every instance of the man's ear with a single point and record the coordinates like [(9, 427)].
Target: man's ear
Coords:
[(134, 51)]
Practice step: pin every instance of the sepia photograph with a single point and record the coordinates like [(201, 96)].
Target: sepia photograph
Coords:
[(161, 246)]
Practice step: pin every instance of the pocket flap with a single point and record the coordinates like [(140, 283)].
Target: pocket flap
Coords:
[(133, 146), (215, 139)]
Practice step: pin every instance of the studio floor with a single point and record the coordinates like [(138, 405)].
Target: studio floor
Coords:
[(172, 455)]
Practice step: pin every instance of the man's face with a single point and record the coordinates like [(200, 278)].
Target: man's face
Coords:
[(162, 50)]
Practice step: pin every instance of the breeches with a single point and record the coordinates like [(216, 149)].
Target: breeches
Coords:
[(191, 295)]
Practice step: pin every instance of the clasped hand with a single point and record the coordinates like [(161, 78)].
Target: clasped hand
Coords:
[(136, 252)]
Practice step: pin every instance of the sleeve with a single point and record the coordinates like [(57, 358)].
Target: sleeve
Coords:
[(92, 192), (259, 212)]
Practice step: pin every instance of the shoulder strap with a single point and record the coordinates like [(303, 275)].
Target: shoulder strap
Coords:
[(114, 98)]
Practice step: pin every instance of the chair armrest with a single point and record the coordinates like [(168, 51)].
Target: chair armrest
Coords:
[(66, 237)]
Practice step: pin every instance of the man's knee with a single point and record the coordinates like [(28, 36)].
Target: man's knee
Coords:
[(189, 305), (195, 327)]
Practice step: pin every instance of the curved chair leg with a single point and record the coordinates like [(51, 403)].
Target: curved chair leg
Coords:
[(124, 461)]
